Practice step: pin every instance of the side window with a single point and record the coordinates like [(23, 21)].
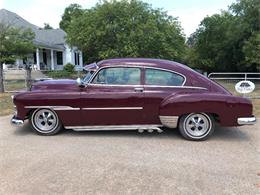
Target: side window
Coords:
[(118, 76), (163, 78)]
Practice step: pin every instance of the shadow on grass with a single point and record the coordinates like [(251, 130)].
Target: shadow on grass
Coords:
[(221, 133)]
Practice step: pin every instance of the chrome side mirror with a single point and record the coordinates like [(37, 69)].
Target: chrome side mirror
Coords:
[(80, 83)]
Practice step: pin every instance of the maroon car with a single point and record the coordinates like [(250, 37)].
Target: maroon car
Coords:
[(132, 94)]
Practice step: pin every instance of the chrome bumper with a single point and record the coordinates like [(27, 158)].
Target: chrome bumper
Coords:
[(16, 122), (246, 121)]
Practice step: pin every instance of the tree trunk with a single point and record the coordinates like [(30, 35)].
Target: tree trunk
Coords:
[(2, 90)]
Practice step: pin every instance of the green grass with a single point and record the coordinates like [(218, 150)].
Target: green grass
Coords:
[(61, 74), (14, 85), (6, 104)]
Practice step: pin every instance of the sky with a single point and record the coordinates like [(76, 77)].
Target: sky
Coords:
[(189, 12)]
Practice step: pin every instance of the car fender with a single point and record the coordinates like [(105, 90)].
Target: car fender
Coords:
[(225, 108)]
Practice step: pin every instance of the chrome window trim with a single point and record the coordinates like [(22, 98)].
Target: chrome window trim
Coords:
[(184, 87), (167, 70), (141, 67), (115, 66), (54, 107), (114, 108), (153, 86)]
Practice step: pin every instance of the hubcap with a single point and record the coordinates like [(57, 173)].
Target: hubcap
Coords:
[(45, 120), (197, 125)]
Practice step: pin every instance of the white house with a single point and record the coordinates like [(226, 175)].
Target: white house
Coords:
[(52, 52)]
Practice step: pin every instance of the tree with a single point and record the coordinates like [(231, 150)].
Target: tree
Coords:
[(126, 29), (14, 43), (228, 41), (72, 12), (47, 26)]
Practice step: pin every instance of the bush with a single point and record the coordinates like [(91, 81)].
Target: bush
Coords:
[(69, 68)]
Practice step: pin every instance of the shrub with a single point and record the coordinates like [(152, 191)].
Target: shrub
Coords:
[(69, 68)]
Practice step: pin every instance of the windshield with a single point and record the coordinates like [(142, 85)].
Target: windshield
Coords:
[(88, 75)]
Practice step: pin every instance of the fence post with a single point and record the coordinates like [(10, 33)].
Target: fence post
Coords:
[(28, 76)]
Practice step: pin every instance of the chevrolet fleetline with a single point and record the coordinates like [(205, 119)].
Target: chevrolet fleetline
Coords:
[(132, 94)]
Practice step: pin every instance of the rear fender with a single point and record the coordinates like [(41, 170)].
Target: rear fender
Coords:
[(228, 108)]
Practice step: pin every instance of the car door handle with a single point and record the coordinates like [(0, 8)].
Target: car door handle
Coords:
[(139, 89)]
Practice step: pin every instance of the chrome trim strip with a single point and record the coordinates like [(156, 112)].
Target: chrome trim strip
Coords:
[(114, 108), (246, 120), (169, 121), (111, 127), (184, 87), (54, 107), (16, 122), (153, 86)]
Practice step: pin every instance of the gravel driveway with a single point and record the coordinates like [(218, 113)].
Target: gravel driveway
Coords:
[(126, 162)]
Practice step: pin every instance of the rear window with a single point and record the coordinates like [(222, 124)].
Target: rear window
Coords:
[(163, 78)]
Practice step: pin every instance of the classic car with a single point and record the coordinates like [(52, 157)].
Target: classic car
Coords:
[(132, 94)]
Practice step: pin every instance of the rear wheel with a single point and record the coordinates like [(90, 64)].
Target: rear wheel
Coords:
[(196, 126), (45, 122)]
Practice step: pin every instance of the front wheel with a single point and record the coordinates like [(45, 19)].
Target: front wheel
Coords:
[(45, 122), (196, 126)]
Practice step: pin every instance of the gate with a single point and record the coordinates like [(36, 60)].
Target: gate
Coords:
[(230, 79)]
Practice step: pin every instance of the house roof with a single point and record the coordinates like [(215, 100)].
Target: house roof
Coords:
[(50, 38)]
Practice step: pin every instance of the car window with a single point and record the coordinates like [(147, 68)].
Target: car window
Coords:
[(163, 78), (118, 76)]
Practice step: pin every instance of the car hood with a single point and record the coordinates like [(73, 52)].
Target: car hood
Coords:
[(61, 84)]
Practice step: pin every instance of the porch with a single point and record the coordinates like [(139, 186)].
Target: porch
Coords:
[(48, 59)]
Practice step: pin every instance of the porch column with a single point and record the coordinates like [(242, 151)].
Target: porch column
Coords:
[(38, 59), (52, 59), (80, 58)]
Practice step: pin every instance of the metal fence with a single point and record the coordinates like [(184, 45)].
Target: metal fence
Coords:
[(229, 80), (17, 79)]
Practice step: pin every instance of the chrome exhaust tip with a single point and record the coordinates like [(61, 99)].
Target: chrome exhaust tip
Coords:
[(140, 130)]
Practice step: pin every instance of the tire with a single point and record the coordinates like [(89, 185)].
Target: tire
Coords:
[(196, 126), (45, 122)]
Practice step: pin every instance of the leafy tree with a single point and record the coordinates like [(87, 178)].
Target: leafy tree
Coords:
[(228, 41), (14, 43), (71, 12), (127, 29), (47, 26)]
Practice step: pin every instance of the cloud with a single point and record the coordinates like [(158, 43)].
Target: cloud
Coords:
[(1, 4), (39, 12)]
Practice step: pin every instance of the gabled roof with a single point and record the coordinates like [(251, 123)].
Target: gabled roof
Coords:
[(50, 38)]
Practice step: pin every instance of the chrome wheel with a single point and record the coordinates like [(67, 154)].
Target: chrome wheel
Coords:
[(45, 121), (196, 126)]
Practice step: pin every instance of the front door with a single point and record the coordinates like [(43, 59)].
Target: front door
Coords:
[(113, 97)]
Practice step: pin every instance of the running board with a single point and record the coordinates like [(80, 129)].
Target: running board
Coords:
[(140, 128)]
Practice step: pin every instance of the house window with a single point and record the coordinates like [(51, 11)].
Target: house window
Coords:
[(59, 57), (76, 56)]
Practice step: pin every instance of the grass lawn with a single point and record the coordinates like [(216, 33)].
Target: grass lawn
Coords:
[(6, 104), (14, 85)]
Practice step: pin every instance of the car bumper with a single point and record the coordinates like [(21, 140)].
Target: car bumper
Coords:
[(16, 122), (246, 121)]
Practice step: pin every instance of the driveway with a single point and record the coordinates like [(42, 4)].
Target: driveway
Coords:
[(126, 162)]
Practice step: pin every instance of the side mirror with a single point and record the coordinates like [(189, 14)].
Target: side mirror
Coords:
[(80, 82)]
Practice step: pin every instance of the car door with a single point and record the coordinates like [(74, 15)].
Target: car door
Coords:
[(159, 84), (113, 97)]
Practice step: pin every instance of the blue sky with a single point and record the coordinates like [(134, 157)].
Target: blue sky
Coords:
[(189, 12)]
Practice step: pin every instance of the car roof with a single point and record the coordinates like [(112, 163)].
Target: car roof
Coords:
[(146, 62)]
